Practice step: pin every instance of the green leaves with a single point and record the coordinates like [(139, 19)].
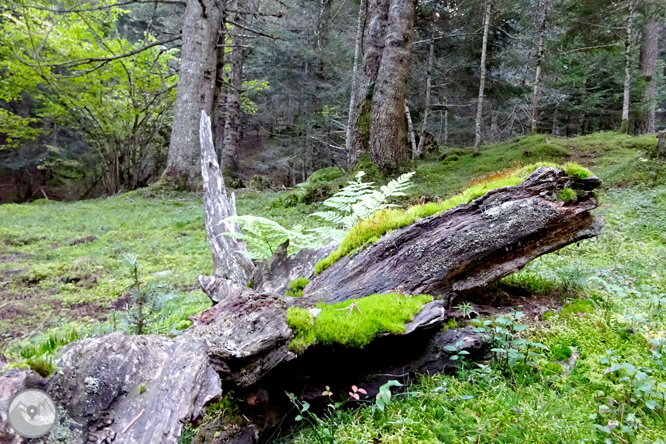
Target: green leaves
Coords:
[(383, 398)]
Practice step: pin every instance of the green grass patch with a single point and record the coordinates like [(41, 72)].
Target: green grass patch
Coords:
[(353, 325), (371, 229)]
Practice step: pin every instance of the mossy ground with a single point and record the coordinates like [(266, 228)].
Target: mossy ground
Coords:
[(48, 286)]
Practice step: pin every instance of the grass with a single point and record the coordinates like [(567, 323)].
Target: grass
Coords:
[(369, 231), (353, 325)]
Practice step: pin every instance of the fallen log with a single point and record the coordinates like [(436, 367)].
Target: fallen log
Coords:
[(469, 246)]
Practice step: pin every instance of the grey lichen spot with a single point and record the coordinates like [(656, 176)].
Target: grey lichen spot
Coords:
[(92, 385)]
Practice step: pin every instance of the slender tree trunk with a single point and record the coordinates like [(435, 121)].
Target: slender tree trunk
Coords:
[(624, 125), (373, 45), (647, 67), (229, 154), (482, 83), (388, 128), (555, 131), (410, 130), (358, 48), (446, 127), (494, 124), (196, 90), (539, 64), (426, 108)]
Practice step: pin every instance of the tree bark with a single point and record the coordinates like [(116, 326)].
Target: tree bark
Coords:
[(539, 64), (358, 49), (624, 125), (196, 90), (647, 67), (373, 45), (661, 145), (482, 82), (426, 107), (388, 128), (228, 262), (410, 130), (236, 59)]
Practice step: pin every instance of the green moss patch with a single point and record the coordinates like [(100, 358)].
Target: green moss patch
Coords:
[(295, 287), (567, 195), (369, 231), (353, 325)]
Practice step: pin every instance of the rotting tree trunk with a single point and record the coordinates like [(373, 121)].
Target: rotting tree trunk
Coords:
[(388, 142), (624, 125), (647, 66), (228, 262), (196, 90), (426, 107), (539, 64), (373, 48), (482, 81)]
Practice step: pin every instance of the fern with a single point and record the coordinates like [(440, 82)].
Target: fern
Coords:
[(353, 203), (262, 236), (359, 200)]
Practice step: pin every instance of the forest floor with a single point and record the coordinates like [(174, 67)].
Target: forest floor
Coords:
[(63, 276)]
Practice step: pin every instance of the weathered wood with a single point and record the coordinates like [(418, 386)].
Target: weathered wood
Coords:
[(469, 246), (228, 263), (105, 382), (247, 335), (274, 274)]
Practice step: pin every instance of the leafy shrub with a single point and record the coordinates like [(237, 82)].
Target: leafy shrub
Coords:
[(295, 287), (326, 175), (260, 183)]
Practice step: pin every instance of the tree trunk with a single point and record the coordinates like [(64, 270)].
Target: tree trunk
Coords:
[(196, 90), (539, 63), (446, 127), (228, 261), (647, 66), (426, 108), (624, 125), (555, 131), (358, 48), (359, 132), (482, 82), (494, 124), (236, 59), (388, 128), (410, 130)]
